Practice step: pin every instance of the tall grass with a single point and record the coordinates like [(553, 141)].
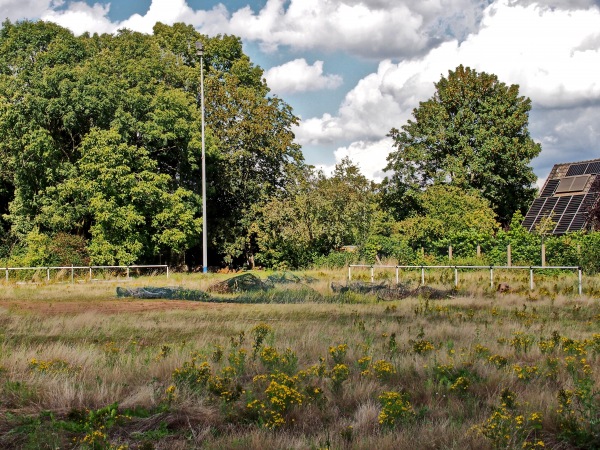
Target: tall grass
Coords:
[(450, 362)]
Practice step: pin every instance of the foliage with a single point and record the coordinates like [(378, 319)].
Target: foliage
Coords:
[(101, 138), (472, 133), (60, 249), (448, 214), (314, 216)]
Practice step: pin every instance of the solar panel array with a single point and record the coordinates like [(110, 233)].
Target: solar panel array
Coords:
[(567, 200), (584, 169)]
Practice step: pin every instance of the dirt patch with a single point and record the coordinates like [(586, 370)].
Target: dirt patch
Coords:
[(103, 306)]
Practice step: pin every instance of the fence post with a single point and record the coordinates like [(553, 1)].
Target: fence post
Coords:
[(48, 273), (579, 276), (72, 274), (397, 275), (543, 255), (492, 277), (449, 253), (478, 251), (455, 276), (90, 273), (128, 272), (7, 274), (531, 278), (349, 272), (422, 276), (167, 271), (372, 275)]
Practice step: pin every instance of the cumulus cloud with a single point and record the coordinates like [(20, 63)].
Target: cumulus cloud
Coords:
[(370, 28), (299, 76), (565, 135), (81, 17), (369, 156), (559, 4), (553, 54), (18, 9), (357, 28)]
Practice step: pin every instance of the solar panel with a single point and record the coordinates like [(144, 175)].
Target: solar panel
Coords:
[(533, 212), (561, 205), (567, 198), (549, 188), (574, 204), (564, 223), (577, 169), (527, 223), (548, 206), (593, 168), (578, 223), (589, 200)]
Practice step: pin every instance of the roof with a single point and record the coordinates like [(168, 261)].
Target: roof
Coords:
[(571, 191)]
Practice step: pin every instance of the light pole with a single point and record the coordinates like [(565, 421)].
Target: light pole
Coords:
[(200, 53)]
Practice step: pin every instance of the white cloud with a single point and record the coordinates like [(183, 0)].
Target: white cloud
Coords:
[(319, 130), (18, 9), (368, 28), (165, 11), (369, 156), (299, 76), (81, 17), (553, 54)]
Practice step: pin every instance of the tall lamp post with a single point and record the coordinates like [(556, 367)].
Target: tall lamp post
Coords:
[(200, 53)]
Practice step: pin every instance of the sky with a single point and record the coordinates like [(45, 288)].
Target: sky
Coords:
[(354, 69)]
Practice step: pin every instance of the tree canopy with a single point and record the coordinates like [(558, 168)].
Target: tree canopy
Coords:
[(448, 215), (472, 133), (100, 137), (314, 216)]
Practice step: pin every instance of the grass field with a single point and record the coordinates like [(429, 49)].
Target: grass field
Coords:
[(299, 367)]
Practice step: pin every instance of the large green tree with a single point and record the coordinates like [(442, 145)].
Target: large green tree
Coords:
[(100, 137), (472, 133)]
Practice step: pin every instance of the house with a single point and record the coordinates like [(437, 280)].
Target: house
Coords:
[(569, 196)]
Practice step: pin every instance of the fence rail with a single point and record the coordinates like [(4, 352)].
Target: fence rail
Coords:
[(457, 268), (7, 270)]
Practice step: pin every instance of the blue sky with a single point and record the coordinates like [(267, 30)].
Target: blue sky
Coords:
[(353, 69)]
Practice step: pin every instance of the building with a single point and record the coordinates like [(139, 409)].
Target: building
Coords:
[(569, 196)]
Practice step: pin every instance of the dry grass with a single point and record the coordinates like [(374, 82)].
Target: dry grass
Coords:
[(70, 362)]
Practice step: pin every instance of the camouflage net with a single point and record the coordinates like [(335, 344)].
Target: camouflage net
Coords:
[(248, 282), (383, 291), (168, 293), (240, 283)]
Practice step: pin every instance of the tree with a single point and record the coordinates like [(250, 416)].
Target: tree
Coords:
[(100, 137), (314, 216), (449, 216), (472, 133)]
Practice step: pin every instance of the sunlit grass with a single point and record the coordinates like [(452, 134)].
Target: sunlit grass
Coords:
[(449, 361)]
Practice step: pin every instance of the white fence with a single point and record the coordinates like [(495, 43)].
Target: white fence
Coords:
[(88, 270), (457, 268)]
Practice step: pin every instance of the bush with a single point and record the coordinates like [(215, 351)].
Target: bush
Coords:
[(61, 249), (336, 260)]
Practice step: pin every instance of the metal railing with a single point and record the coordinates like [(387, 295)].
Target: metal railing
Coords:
[(88, 269), (457, 268)]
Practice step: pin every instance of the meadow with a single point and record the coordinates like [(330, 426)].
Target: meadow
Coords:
[(301, 367)]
